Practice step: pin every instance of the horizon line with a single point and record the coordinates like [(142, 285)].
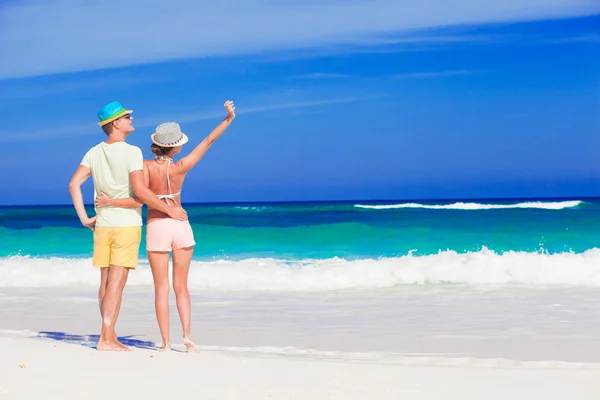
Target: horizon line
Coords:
[(209, 203)]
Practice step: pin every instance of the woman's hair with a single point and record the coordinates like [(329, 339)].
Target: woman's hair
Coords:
[(160, 151)]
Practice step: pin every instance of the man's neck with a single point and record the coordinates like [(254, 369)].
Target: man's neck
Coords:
[(115, 138)]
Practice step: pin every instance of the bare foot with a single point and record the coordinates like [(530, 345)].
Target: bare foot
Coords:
[(125, 348), (112, 346), (165, 347), (190, 346)]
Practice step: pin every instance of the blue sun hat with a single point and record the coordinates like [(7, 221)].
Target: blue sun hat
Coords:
[(112, 111)]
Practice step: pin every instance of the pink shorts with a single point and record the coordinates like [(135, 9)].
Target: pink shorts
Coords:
[(168, 234)]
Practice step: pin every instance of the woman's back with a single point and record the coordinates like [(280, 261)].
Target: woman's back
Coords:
[(165, 178)]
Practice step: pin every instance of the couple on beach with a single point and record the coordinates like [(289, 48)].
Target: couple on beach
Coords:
[(123, 183)]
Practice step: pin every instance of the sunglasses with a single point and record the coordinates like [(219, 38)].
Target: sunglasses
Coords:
[(128, 116)]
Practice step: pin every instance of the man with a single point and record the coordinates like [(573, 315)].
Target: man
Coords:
[(117, 170)]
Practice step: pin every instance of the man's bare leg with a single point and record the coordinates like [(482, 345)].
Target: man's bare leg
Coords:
[(159, 263), (102, 289), (181, 268), (110, 307)]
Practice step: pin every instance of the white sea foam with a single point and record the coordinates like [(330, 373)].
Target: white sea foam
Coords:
[(251, 208), (474, 268), (556, 205)]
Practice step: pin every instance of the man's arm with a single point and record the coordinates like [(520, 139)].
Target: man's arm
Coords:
[(102, 200), (79, 177), (146, 195), (188, 162)]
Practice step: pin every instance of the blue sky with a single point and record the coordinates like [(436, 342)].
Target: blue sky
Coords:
[(335, 99)]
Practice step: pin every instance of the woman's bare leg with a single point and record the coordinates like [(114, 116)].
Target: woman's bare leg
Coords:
[(181, 267), (159, 263)]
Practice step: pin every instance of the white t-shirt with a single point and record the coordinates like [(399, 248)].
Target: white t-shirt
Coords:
[(110, 165)]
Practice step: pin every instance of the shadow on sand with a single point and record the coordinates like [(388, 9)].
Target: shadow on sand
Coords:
[(91, 341)]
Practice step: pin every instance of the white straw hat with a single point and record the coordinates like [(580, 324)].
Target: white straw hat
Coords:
[(169, 135)]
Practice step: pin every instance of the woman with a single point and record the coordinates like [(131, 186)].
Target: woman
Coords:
[(164, 235)]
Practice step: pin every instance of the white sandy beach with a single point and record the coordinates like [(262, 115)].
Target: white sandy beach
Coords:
[(35, 369), (500, 343)]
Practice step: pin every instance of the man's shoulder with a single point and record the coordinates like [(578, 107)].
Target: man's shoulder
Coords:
[(95, 148), (131, 145), (132, 148)]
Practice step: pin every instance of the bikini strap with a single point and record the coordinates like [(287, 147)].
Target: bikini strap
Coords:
[(170, 196)]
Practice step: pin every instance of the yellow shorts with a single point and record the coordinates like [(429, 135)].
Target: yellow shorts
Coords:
[(117, 246)]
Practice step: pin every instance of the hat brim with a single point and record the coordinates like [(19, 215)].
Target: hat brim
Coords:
[(114, 117), (182, 141)]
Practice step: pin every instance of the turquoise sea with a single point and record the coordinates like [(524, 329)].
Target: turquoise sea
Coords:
[(340, 244)]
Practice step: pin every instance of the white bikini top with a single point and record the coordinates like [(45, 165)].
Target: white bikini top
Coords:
[(170, 196)]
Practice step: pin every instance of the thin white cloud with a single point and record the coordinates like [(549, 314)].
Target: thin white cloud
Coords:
[(194, 117), (434, 74), (33, 89), (590, 38), (74, 35), (90, 128), (52, 133), (407, 42)]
